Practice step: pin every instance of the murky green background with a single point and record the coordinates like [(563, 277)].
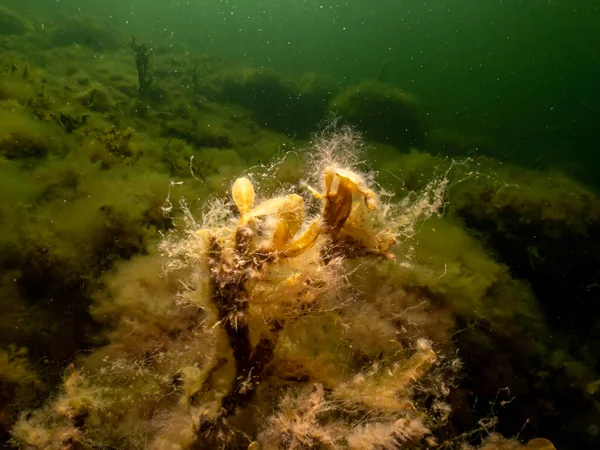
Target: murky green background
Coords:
[(524, 72)]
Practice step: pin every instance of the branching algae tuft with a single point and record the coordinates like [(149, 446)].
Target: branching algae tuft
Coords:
[(256, 330)]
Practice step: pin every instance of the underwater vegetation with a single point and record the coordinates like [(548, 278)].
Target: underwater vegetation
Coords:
[(259, 328), (185, 264)]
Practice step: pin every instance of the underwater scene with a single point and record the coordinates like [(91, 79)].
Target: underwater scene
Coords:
[(295, 225)]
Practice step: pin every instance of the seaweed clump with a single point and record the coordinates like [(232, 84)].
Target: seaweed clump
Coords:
[(142, 63), (259, 327), (248, 339)]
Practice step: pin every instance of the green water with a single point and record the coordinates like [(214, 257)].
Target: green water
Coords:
[(520, 71), (503, 97)]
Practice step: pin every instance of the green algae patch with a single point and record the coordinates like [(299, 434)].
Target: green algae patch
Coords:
[(24, 137), (458, 268), (15, 87)]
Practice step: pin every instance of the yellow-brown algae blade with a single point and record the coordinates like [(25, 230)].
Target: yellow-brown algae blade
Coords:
[(292, 212), (281, 237), (333, 187), (328, 177), (316, 193), (305, 241), (243, 195), (337, 209), (356, 183), (289, 208)]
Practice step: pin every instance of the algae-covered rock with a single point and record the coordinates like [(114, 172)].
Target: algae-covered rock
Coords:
[(13, 24), (278, 103), (546, 227), (382, 112), (261, 91), (552, 203)]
